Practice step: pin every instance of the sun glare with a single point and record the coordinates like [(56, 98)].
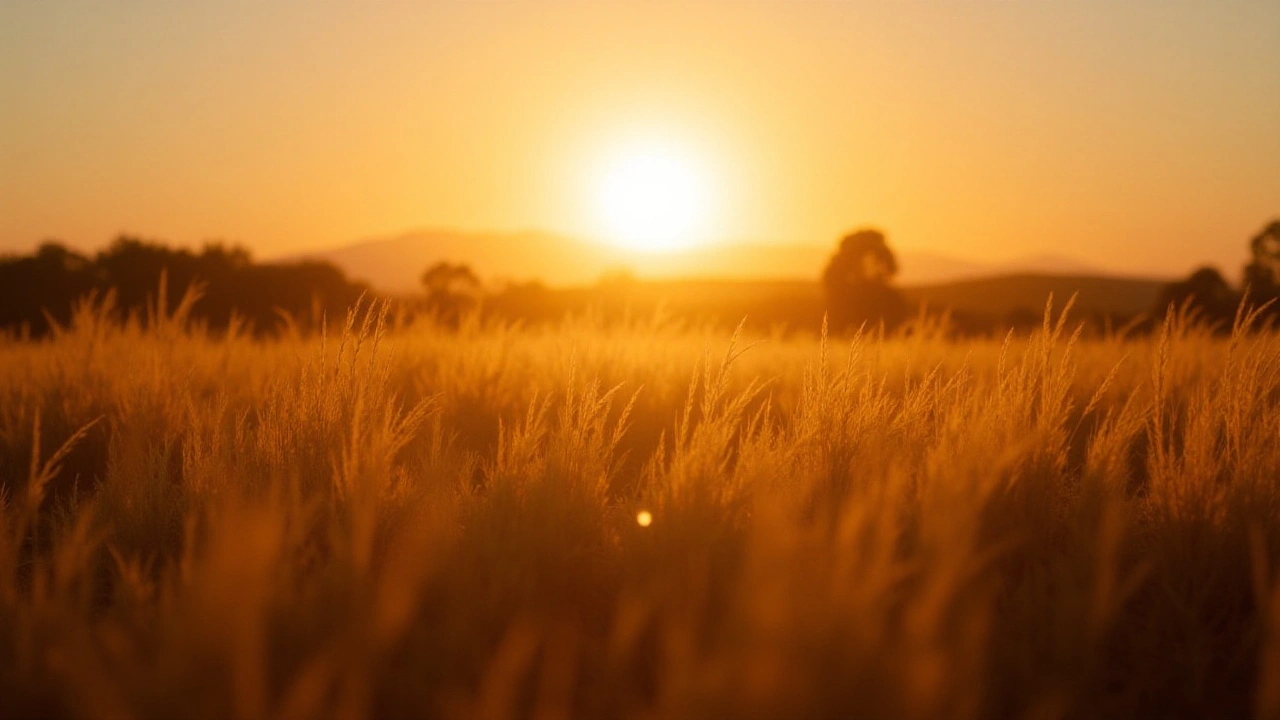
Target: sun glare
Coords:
[(652, 197)]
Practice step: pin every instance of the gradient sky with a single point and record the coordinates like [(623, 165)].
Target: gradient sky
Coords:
[(1135, 135)]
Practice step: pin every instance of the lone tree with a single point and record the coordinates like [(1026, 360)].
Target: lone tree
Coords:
[(856, 283), (451, 290), (1262, 274)]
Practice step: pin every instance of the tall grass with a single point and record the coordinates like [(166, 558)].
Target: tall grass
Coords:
[(390, 520)]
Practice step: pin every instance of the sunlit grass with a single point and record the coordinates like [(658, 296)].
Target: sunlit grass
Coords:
[(637, 521)]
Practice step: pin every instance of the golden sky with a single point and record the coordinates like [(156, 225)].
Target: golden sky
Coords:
[(1139, 136)]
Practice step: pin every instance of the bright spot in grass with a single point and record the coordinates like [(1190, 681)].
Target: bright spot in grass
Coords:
[(644, 518)]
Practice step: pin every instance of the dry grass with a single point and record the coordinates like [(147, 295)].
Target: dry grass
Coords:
[(398, 522)]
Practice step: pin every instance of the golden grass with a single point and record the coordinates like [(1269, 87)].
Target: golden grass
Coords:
[(408, 521)]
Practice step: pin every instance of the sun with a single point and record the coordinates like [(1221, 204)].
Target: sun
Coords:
[(652, 196)]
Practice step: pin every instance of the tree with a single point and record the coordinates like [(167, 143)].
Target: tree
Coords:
[(1206, 292), (451, 290), (1262, 274), (856, 283)]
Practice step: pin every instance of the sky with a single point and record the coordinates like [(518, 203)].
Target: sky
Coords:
[(1139, 136)]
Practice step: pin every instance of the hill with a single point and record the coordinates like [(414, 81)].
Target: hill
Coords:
[(1122, 296), (393, 264)]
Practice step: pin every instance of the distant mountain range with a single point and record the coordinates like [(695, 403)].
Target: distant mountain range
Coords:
[(394, 264)]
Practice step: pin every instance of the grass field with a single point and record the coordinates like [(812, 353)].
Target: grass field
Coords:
[(407, 521), (981, 306)]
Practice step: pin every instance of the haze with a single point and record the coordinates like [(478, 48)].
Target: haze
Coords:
[(1141, 136)]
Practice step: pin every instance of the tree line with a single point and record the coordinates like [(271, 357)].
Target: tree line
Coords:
[(42, 288), (858, 290), (1208, 294)]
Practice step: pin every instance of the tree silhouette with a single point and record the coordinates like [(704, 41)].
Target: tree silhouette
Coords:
[(856, 283), (1262, 274), (451, 290), (42, 287), (1206, 292)]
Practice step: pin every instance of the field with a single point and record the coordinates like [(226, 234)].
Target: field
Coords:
[(643, 520), (979, 306)]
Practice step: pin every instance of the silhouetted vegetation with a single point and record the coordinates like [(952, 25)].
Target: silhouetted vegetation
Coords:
[(1262, 274), (1207, 292), (43, 288), (1208, 295), (452, 290), (856, 283)]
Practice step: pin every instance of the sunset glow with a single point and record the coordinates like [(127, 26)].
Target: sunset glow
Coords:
[(640, 358), (652, 197), (1135, 136)]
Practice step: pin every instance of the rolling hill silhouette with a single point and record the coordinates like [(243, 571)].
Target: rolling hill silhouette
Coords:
[(394, 264), (771, 285)]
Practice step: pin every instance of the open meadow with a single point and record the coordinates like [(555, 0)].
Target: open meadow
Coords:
[(642, 520)]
